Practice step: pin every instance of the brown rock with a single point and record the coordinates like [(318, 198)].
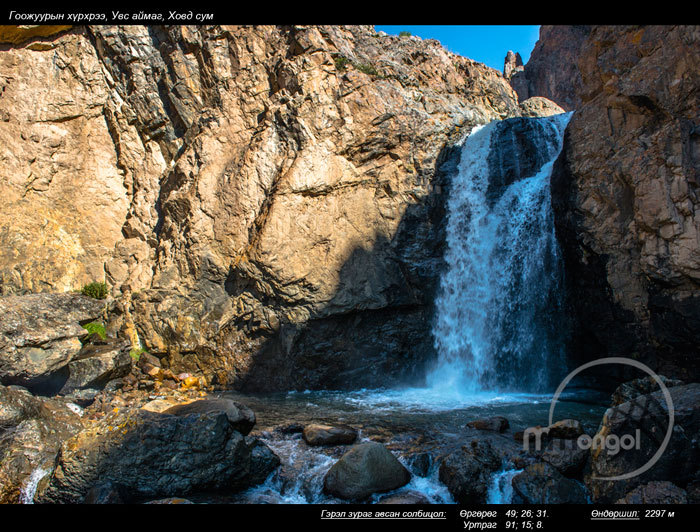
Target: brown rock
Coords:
[(539, 106), (566, 429), (19, 34), (329, 435), (331, 216), (552, 70), (496, 423), (625, 198)]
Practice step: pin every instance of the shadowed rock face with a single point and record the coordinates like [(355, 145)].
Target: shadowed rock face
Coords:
[(646, 418), (150, 455), (552, 70), (270, 212), (626, 198)]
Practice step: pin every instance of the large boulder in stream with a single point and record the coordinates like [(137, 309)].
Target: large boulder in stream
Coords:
[(541, 483), (155, 455), (365, 469), (467, 471)]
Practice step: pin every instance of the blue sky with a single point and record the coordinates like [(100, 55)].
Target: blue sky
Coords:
[(486, 44)]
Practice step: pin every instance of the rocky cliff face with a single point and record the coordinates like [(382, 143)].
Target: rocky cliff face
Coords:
[(265, 202), (627, 200), (552, 70)]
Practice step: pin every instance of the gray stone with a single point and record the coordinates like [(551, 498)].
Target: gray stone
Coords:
[(39, 335), (96, 365), (540, 483), (365, 469)]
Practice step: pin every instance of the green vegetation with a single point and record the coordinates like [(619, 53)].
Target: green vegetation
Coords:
[(95, 290), (93, 328), (404, 34), (136, 353), (366, 68), (341, 63)]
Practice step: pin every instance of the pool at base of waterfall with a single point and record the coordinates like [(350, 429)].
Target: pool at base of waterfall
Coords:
[(420, 426)]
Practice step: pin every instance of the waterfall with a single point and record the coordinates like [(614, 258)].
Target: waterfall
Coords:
[(499, 323)]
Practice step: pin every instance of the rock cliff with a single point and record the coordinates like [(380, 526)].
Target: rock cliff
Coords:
[(266, 203), (552, 70), (627, 201)]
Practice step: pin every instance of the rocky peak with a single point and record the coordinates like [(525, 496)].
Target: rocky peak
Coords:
[(513, 63)]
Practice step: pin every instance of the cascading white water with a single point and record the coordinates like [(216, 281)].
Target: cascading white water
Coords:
[(498, 324), (27, 492)]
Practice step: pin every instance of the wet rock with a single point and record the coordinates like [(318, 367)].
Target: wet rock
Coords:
[(632, 389), (533, 438), (405, 497), (496, 423), (565, 429), (150, 455), (643, 423), (263, 461), (106, 492), (516, 153), (239, 416), (655, 493), (420, 464), (567, 456), (540, 483), (31, 432), (467, 472), (39, 336), (329, 435), (365, 469)]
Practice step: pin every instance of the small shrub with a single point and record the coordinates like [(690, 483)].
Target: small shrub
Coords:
[(136, 353), (367, 69), (341, 63), (404, 34), (97, 328), (95, 290)]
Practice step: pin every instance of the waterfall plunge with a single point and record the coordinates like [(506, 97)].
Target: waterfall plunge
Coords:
[(499, 323)]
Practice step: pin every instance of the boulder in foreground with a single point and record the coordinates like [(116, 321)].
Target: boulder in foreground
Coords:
[(365, 469)]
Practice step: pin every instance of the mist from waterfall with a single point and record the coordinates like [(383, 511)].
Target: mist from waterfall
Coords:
[(499, 322)]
